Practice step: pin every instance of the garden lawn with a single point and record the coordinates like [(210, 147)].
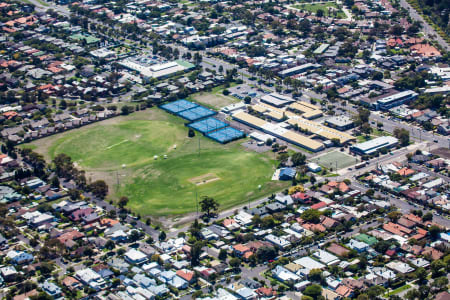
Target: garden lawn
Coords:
[(314, 7), (121, 151)]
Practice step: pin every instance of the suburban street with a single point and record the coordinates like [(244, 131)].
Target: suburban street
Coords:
[(426, 28)]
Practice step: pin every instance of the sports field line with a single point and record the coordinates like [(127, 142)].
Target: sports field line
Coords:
[(119, 143)]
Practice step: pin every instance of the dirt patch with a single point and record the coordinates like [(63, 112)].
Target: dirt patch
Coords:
[(204, 179), (443, 152), (217, 101)]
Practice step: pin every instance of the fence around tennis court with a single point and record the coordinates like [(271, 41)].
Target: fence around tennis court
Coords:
[(201, 120), (226, 135), (178, 106), (196, 113), (207, 125)]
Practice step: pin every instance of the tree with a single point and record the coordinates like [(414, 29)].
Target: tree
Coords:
[(421, 274), (412, 294), (298, 159), (363, 116), (315, 275), (63, 165), (427, 217), (382, 246), (123, 201), (223, 254), (46, 268), (256, 220), (195, 229), (191, 133), (403, 136), (436, 268), (320, 13), (235, 262), (266, 253), (440, 283), (208, 205), (55, 182), (434, 231), (162, 236), (295, 189), (196, 250), (125, 110), (110, 245), (377, 75), (374, 291), (311, 216), (394, 215), (283, 158), (397, 29), (41, 296), (313, 291), (99, 188), (74, 194)]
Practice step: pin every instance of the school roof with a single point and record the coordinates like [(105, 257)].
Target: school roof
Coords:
[(276, 99), (375, 144), (321, 130), (278, 131)]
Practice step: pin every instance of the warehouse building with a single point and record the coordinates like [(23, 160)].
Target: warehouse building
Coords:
[(374, 145)]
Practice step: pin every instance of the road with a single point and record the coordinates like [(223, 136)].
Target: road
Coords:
[(109, 207), (303, 250), (389, 125), (403, 205), (416, 133), (428, 171), (426, 28)]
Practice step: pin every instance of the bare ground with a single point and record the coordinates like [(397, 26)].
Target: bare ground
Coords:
[(217, 101)]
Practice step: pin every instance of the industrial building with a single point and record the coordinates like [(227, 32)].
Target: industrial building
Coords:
[(340, 122), (374, 145), (278, 131)]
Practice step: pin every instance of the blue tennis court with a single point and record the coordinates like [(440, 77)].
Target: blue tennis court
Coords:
[(226, 135), (208, 125), (196, 113), (178, 106)]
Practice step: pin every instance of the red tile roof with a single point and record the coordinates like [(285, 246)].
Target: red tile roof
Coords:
[(319, 205), (241, 248), (186, 275)]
